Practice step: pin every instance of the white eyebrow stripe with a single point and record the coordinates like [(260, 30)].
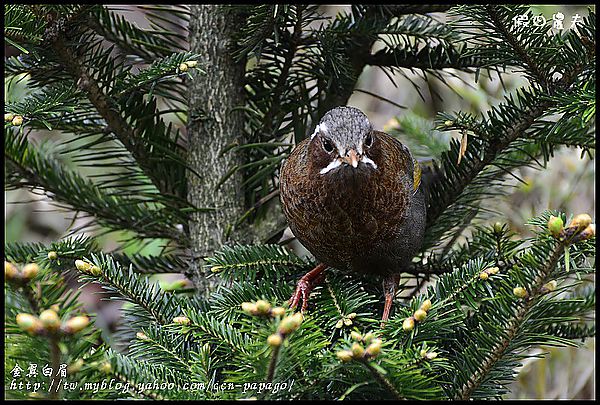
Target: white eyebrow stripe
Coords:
[(319, 128), (331, 166), (368, 161)]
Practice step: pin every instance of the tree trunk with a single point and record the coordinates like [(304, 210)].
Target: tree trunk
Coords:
[(212, 127)]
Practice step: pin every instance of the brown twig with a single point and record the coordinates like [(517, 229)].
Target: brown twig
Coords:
[(273, 363)]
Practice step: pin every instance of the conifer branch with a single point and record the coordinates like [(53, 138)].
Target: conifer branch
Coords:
[(495, 146), (514, 130), (402, 59), (511, 332), (285, 69), (381, 379), (519, 48), (107, 109)]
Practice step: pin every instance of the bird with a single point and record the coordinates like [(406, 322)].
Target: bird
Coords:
[(353, 197)]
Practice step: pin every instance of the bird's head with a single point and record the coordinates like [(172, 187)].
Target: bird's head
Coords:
[(343, 138)]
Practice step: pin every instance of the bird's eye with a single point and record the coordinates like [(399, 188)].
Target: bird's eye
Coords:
[(369, 140), (327, 145)]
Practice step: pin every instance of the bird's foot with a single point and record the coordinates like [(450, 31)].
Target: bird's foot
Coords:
[(390, 287), (305, 285)]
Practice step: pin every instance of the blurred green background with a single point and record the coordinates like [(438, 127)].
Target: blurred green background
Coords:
[(566, 184)]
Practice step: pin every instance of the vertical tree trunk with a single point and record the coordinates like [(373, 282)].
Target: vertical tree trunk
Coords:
[(212, 127)]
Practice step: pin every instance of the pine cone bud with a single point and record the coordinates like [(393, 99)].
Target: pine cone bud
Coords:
[(52, 255), (408, 324), (356, 336), (492, 270), (29, 323), (83, 267), (368, 338), (555, 225), (275, 340), (278, 311), (216, 269), (76, 324), (420, 315), (75, 366), (263, 307), (423, 353), (17, 121), (580, 222), (105, 367), (181, 320), (550, 286), (357, 350), (298, 318), (497, 228), (8, 117), (50, 320), (347, 321), (448, 123), (483, 275), (344, 355), (290, 323), (426, 305), (95, 271), (352, 315), (249, 308), (10, 271), (339, 323), (431, 355), (520, 292), (183, 67), (30, 270), (191, 63), (55, 308), (141, 336), (374, 348)]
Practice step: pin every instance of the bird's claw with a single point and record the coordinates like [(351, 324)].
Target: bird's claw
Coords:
[(305, 285), (302, 292)]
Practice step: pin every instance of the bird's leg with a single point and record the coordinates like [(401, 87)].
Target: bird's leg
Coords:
[(305, 286), (390, 287)]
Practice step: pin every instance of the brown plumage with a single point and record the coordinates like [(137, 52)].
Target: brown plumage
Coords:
[(353, 198)]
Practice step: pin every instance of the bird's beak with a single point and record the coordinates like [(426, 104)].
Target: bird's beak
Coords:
[(351, 159)]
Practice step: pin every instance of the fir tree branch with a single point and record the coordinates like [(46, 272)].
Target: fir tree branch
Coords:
[(32, 168), (283, 76), (514, 131), (519, 48), (401, 58), (381, 379), (136, 289), (499, 350), (357, 51), (107, 109)]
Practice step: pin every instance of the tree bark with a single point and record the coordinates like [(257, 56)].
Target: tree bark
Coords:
[(212, 127)]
